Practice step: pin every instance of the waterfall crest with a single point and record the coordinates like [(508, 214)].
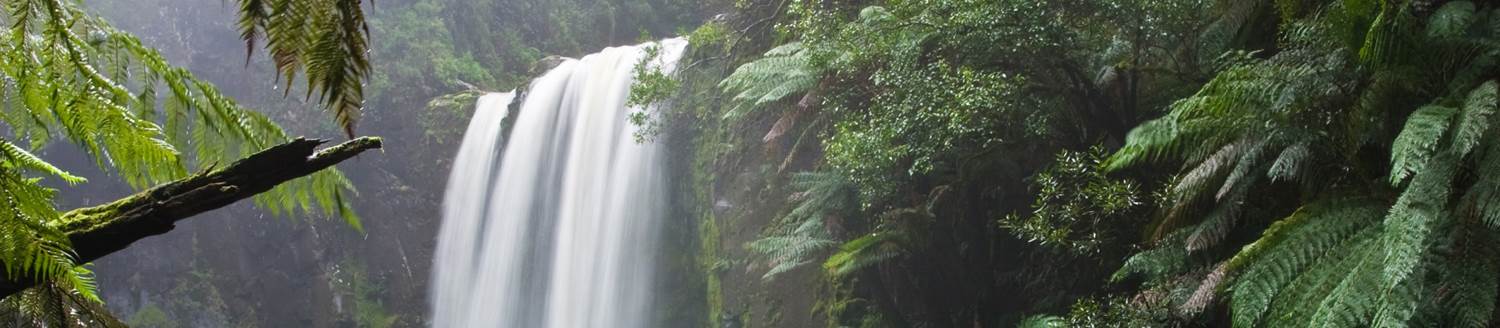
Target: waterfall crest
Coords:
[(556, 227)]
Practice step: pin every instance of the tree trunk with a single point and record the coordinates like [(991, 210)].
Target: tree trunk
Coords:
[(101, 230)]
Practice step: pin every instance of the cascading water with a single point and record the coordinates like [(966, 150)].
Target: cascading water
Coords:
[(558, 227)]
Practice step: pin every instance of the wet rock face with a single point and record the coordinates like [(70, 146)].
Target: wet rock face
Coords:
[(545, 64)]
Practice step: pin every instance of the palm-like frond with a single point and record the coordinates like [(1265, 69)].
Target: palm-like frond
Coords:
[(56, 304), (31, 245), (1470, 276), (793, 250), (1451, 20), (327, 39), (1418, 142), (1167, 259), (863, 252), (1271, 264), (820, 196), (12, 155), (822, 193), (1474, 120), (784, 71)]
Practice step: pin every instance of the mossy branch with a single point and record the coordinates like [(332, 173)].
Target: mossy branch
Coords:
[(95, 232)]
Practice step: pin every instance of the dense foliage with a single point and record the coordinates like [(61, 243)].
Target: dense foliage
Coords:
[(1254, 163)]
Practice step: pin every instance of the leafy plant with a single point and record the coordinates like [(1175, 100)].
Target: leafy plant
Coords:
[(1372, 246), (1076, 206), (652, 85), (823, 197), (784, 71)]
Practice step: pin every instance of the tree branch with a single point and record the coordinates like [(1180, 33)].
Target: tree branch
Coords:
[(101, 230)]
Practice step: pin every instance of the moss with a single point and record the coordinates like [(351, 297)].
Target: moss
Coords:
[(708, 254)]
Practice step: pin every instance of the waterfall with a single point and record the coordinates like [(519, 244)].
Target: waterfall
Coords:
[(558, 225)]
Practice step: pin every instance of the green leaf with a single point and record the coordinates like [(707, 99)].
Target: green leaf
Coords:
[(1474, 121), (1414, 147), (1451, 20)]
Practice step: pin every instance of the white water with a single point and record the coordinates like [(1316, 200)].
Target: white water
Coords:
[(557, 227)]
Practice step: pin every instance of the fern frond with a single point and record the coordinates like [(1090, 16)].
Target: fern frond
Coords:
[(1150, 142), (1472, 281), (31, 245), (12, 155), (1169, 257), (1219, 222), (1418, 141), (1408, 227), (819, 197), (1474, 118), (1389, 40), (325, 38), (821, 193), (1451, 20), (1206, 292), (1197, 181), (793, 250), (56, 303), (255, 15), (1349, 304), (784, 71), (1291, 164), (1266, 267), (1042, 321), (861, 253), (1483, 198), (1298, 301)]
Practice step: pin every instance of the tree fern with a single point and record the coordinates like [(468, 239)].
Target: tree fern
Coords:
[(1350, 257), (795, 249), (822, 193), (784, 71), (820, 196)]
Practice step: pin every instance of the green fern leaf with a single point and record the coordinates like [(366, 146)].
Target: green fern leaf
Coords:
[(862, 253), (13, 155), (1474, 120), (1418, 141), (1451, 20), (784, 71), (1270, 265)]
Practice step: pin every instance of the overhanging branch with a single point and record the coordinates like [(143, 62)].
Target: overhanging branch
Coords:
[(101, 230)]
